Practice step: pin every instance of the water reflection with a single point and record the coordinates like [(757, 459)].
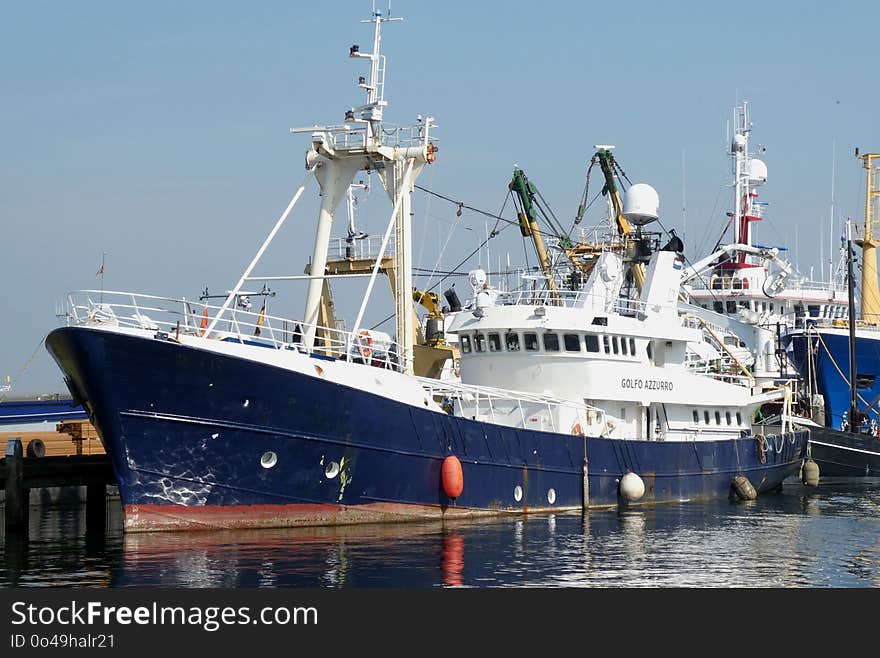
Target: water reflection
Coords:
[(452, 564), (797, 538)]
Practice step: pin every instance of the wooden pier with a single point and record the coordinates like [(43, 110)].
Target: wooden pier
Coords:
[(20, 473)]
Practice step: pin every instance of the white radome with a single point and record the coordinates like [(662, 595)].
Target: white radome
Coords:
[(641, 204)]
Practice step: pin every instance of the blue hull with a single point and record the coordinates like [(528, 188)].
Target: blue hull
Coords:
[(19, 412), (845, 454), (830, 364), (187, 449)]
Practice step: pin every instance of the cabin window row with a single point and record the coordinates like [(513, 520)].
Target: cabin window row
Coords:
[(730, 307), (707, 418), (549, 341)]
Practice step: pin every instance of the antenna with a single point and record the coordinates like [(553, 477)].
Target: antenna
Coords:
[(684, 223)]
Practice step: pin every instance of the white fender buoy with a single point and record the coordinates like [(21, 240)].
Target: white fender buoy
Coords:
[(810, 473), (744, 488), (631, 487)]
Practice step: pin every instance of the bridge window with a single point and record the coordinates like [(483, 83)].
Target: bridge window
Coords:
[(731, 307), (494, 343), (606, 344), (511, 340), (696, 416), (739, 418), (717, 417), (479, 342), (706, 417), (572, 342), (592, 342), (465, 344), (813, 310), (551, 342), (531, 341), (632, 346), (727, 417), (624, 346), (615, 345), (718, 307), (649, 349)]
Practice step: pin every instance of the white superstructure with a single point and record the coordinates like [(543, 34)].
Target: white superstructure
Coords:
[(751, 289), (632, 359)]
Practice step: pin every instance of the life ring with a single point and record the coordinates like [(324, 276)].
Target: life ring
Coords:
[(365, 343), (576, 430)]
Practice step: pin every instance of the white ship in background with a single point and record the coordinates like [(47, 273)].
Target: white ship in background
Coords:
[(753, 292)]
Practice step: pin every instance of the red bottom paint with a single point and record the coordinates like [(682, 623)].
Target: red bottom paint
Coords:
[(150, 518)]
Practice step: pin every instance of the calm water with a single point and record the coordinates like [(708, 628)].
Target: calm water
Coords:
[(825, 537)]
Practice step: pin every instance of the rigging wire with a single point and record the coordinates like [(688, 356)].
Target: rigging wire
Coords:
[(494, 233)]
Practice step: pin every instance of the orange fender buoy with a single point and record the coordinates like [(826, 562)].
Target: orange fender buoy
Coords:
[(452, 477), (577, 429)]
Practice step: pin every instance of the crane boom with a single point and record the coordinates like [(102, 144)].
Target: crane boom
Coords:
[(528, 221), (606, 163)]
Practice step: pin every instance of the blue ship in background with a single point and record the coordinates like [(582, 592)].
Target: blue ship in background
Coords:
[(839, 362), (31, 413)]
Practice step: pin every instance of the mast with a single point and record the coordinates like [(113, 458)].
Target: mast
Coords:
[(749, 172), (870, 289), (853, 409), (363, 142)]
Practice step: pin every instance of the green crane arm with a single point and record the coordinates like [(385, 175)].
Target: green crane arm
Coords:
[(528, 221)]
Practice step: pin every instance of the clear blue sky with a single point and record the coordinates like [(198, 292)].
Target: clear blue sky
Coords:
[(158, 132)]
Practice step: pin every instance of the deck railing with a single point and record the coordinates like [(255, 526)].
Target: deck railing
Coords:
[(183, 317), (496, 405)]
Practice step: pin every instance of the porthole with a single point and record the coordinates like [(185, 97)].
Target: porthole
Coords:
[(551, 496), (268, 460), (517, 493), (331, 470)]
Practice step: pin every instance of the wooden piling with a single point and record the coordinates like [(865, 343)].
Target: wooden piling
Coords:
[(17, 496), (96, 507)]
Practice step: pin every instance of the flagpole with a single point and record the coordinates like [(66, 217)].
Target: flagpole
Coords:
[(103, 256)]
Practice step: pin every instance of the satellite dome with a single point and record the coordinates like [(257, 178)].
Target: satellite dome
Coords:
[(641, 204), (757, 172)]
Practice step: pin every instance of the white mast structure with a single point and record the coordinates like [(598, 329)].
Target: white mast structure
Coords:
[(397, 154), (748, 173)]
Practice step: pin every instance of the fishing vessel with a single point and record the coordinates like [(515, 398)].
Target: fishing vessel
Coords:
[(753, 291), (840, 361), (572, 399), (35, 413)]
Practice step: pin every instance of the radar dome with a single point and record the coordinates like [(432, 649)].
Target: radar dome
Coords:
[(477, 277), (757, 172), (641, 204)]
